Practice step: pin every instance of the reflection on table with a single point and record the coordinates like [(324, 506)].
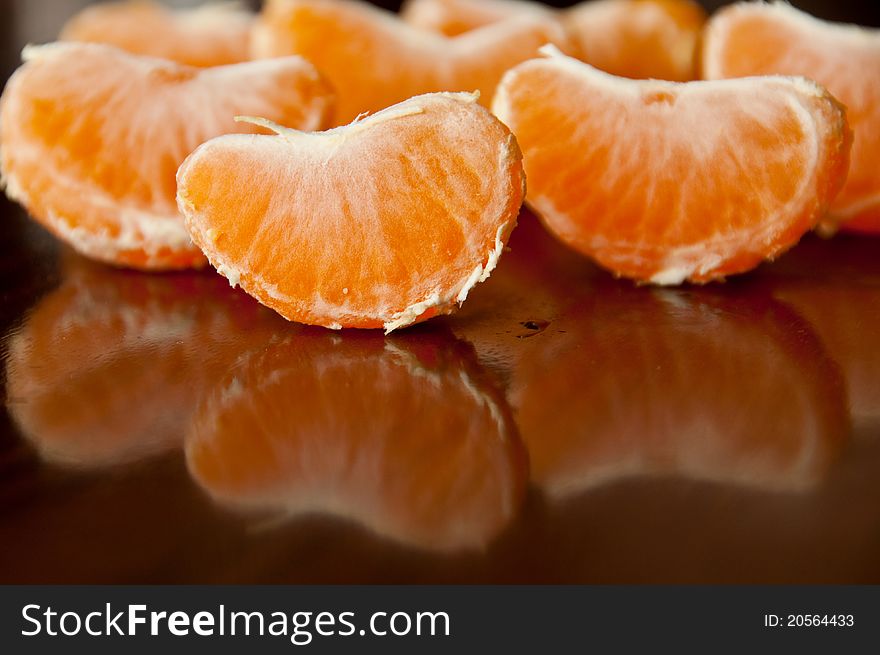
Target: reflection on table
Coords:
[(106, 369), (405, 435), (563, 427)]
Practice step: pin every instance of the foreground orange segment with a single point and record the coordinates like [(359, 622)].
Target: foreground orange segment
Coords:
[(406, 436), (381, 223), (639, 38), (664, 182), (211, 35), (631, 38), (375, 60), (92, 138), (760, 39)]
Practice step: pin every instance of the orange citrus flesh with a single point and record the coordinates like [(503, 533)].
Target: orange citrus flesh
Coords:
[(374, 60), (92, 137), (107, 369), (631, 38), (760, 39), (664, 182), (211, 35), (650, 383), (381, 223), (455, 17), (404, 435)]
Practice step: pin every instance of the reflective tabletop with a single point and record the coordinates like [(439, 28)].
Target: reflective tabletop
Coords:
[(563, 427)]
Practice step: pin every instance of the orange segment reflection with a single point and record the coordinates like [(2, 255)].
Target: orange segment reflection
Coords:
[(694, 383), (844, 318), (405, 435), (842, 304), (106, 369)]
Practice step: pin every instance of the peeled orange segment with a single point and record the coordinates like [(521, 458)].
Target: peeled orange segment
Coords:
[(380, 223), (632, 38), (405, 435), (92, 137), (666, 182), (211, 35), (454, 17), (760, 39), (638, 38), (374, 60)]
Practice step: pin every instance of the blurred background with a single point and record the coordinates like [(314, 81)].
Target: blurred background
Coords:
[(39, 21)]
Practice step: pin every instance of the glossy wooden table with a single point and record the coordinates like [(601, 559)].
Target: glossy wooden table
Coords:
[(563, 427)]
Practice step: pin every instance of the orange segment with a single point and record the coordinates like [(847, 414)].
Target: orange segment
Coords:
[(454, 17), (92, 138), (631, 38), (107, 369), (760, 39), (381, 223), (404, 435), (211, 35), (667, 182), (375, 60), (639, 38)]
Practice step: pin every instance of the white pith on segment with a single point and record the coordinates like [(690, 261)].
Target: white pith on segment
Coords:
[(211, 34), (818, 31), (147, 128), (595, 28), (152, 233), (709, 110), (395, 61), (845, 58), (317, 180), (435, 14)]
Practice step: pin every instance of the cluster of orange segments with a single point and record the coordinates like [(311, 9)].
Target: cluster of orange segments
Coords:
[(160, 140)]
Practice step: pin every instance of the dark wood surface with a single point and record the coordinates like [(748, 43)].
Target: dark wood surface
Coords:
[(727, 433)]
